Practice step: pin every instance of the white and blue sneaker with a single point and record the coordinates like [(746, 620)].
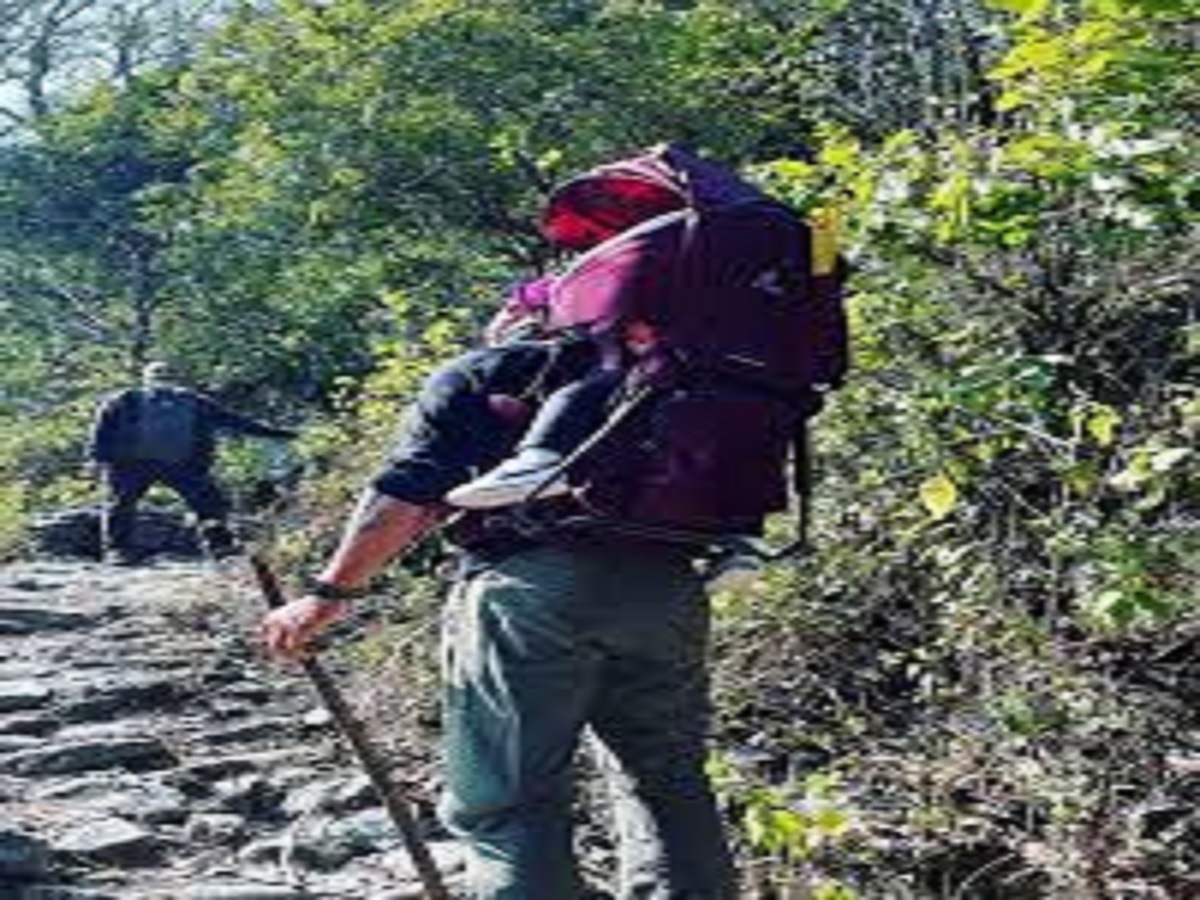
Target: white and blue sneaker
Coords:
[(530, 474)]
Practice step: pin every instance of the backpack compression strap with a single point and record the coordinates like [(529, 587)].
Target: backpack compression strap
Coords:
[(824, 262), (802, 487)]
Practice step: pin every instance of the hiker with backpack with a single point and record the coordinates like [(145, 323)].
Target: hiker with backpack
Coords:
[(585, 611), (161, 433)]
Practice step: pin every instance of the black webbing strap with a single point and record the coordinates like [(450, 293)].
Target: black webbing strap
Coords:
[(802, 484)]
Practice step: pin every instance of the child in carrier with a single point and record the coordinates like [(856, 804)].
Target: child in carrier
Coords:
[(473, 409), (520, 390), (580, 218), (573, 412), (582, 375), (569, 372)]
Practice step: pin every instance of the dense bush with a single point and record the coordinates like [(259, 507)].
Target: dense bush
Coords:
[(983, 681)]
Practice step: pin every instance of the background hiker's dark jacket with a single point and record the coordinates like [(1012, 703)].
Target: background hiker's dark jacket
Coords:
[(114, 436)]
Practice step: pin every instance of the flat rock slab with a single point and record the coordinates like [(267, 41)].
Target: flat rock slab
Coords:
[(227, 891), (217, 768), (15, 743), (112, 841), (109, 695), (133, 754), (28, 723), (18, 696), (23, 857), (137, 798), (57, 892), (22, 619)]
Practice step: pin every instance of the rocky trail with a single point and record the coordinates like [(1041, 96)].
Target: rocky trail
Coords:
[(148, 752)]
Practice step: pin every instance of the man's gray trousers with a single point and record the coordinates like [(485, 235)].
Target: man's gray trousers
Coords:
[(555, 640)]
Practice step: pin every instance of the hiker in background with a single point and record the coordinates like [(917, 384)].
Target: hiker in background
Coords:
[(161, 433)]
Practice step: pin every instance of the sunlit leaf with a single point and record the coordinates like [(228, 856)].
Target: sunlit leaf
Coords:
[(1082, 478), (830, 821), (1136, 472), (1191, 339), (1166, 459), (830, 890), (939, 495), (1102, 424), (1021, 7)]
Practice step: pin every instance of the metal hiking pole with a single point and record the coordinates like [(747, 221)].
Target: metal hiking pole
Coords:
[(373, 764)]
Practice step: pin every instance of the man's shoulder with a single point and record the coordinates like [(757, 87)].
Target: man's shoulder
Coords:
[(137, 396), (120, 397), (177, 394)]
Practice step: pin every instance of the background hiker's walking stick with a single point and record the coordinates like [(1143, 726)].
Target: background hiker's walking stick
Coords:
[(373, 764)]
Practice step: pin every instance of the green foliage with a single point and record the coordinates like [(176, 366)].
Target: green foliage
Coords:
[(79, 263), (326, 200), (791, 826), (13, 510), (41, 468), (1009, 477)]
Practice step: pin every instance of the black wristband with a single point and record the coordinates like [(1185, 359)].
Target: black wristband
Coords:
[(324, 590)]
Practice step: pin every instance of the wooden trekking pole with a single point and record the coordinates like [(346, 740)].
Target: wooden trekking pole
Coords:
[(394, 801)]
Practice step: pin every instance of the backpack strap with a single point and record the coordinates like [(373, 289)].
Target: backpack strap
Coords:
[(802, 488), (802, 483)]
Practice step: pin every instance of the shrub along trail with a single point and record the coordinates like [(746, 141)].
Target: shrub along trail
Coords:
[(147, 750)]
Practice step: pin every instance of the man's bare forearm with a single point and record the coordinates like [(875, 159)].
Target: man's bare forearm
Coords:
[(379, 530)]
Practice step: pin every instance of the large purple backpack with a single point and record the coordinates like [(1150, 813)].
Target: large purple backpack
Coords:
[(749, 334)]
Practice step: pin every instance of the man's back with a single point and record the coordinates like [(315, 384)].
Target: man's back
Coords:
[(164, 425)]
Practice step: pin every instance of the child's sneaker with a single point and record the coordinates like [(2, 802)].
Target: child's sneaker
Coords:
[(513, 481)]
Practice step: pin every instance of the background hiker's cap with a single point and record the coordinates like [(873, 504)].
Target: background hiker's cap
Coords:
[(156, 373)]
